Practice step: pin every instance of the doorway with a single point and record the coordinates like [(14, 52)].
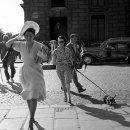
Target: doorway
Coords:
[(58, 26)]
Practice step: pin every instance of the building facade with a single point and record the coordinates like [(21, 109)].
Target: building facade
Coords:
[(93, 20)]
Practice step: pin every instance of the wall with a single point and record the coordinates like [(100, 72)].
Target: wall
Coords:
[(78, 14)]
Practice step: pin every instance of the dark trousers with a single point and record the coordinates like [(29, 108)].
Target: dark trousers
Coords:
[(75, 80), (12, 68)]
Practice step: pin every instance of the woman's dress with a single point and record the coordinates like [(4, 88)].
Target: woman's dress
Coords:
[(31, 73)]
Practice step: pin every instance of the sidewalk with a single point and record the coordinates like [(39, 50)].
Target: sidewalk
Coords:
[(65, 117)]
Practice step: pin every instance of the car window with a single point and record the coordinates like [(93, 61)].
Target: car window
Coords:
[(112, 45), (122, 46)]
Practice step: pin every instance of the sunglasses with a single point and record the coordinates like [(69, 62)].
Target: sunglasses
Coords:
[(61, 41)]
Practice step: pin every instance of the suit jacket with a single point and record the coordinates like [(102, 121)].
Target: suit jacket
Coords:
[(8, 55), (3, 50), (75, 54)]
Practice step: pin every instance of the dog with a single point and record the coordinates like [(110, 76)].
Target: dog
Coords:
[(109, 100)]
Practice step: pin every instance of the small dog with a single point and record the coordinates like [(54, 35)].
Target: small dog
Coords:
[(109, 100)]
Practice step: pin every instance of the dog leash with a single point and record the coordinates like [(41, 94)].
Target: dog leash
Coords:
[(91, 81)]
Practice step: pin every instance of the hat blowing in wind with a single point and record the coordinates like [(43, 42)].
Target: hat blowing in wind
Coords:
[(27, 25)]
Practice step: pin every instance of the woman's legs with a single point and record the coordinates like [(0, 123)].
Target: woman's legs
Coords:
[(32, 105), (62, 79), (68, 91), (68, 80)]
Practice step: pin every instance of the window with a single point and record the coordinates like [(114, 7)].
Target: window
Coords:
[(122, 46), (96, 3), (57, 3), (58, 26), (97, 28)]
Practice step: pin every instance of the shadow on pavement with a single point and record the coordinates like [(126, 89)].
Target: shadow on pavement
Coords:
[(106, 115), (112, 64), (39, 127), (3, 88), (16, 87), (121, 105), (93, 100), (96, 101)]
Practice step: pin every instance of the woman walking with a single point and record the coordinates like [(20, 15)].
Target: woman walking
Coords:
[(63, 60), (31, 73)]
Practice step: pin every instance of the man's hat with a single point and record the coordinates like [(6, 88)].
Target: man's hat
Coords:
[(27, 25)]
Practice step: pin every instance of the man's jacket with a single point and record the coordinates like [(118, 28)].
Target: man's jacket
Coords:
[(3, 50), (75, 53), (8, 55)]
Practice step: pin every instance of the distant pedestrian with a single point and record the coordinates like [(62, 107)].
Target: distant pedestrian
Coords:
[(73, 46), (31, 73), (62, 58), (7, 60)]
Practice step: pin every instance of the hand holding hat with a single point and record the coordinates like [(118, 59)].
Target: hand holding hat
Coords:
[(27, 25)]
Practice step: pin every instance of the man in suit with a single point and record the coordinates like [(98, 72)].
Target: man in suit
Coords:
[(74, 48), (3, 52)]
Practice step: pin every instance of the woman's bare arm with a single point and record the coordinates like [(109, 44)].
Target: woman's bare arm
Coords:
[(11, 41)]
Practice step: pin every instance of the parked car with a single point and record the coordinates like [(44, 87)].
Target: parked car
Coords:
[(111, 50)]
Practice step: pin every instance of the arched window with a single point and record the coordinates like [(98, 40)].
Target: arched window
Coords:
[(57, 3)]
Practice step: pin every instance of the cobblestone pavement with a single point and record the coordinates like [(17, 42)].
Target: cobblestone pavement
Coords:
[(113, 79)]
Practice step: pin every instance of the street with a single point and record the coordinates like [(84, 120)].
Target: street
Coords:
[(113, 79)]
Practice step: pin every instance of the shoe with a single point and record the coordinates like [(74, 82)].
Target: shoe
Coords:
[(31, 124), (30, 128), (34, 121), (82, 90), (71, 104)]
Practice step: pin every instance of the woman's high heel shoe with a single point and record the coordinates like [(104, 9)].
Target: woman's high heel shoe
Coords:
[(34, 121), (31, 124), (30, 128)]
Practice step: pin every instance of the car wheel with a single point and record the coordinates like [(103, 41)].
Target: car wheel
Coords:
[(88, 60)]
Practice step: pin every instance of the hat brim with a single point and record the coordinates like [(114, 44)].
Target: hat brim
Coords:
[(28, 24)]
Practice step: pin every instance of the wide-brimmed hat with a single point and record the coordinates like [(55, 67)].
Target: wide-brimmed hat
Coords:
[(28, 24)]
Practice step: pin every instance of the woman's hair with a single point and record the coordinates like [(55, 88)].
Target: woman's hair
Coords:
[(64, 38), (30, 30)]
